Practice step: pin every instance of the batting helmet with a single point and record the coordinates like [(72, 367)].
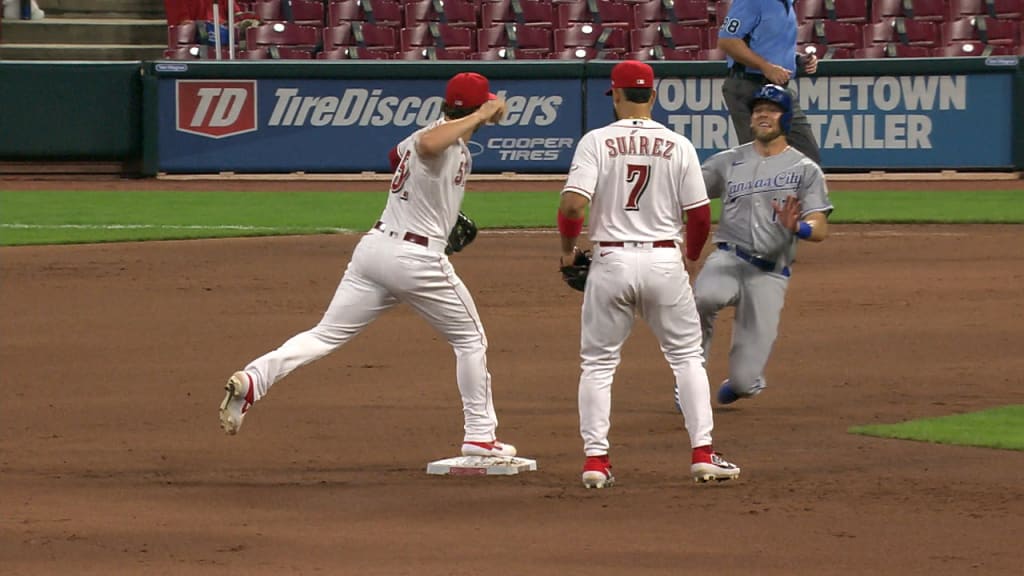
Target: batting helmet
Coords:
[(779, 96)]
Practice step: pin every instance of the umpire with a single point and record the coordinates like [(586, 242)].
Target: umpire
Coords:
[(759, 39)]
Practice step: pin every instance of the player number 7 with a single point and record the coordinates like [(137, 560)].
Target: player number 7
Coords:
[(639, 175)]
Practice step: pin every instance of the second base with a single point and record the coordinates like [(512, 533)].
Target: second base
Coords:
[(481, 466)]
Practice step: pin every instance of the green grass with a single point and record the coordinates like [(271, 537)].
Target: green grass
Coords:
[(996, 428), (59, 217)]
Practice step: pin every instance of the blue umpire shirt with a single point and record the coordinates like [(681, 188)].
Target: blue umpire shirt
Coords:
[(767, 26)]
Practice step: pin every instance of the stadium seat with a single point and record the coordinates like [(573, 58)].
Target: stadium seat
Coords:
[(995, 31), (957, 9), (379, 12), (971, 49), (507, 54), (670, 35), (285, 53), (182, 35), (809, 10), (925, 10), (847, 10), (825, 51), (451, 12), (881, 9), (583, 53), (917, 33), (1006, 10), (686, 12), (520, 38), (432, 53), (591, 36), (804, 33), (435, 34), (959, 30), (339, 35), (873, 51), (353, 53), (305, 13), (880, 32), (662, 53), (283, 34), (721, 10), (523, 12), (839, 34), (608, 14), (375, 37)]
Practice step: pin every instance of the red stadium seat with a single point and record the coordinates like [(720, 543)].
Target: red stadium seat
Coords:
[(926, 10), (825, 51), (962, 29), (583, 53), (957, 9), (432, 53), (995, 31), (847, 11), (375, 37), (607, 14), (434, 34), (379, 12), (528, 38), (283, 34), (182, 35), (304, 12), (687, 12), (918, 33), (809, 10), (971, 49), (839, 34), (1006, 9), (287, 53), (340, 35), (662, 53), (874, 51), (671, 35), (721, 10), (523, 12), (881, 32), (353, 53), (804, 33), (591, 36), (507, 54), (886, 9), (450, 12)]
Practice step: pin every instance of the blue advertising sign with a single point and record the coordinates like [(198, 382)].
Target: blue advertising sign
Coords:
[(875, 122), (291, 125)]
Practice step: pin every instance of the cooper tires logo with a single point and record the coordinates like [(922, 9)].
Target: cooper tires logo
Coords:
[(215, 109)]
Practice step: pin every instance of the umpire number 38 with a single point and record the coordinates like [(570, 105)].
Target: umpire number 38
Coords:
[(731, 25)]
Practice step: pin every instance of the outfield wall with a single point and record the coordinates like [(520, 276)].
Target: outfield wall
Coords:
[(342, 117)]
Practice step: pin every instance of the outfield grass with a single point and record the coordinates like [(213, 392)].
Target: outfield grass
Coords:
[(996, 428), (60, 217)]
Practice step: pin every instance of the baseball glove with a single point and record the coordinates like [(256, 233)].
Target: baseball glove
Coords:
[(462, 234), (575, 274)]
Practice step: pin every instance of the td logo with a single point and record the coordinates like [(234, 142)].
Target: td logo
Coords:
[(216, 108)]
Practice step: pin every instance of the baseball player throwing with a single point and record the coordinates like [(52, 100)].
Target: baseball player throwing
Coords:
[(402, 259), (639, 178), (772, 196)]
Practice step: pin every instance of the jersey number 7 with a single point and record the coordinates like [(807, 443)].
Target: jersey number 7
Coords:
[(639, 175)]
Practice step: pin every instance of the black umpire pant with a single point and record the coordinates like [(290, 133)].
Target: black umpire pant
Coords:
[(739, 90)]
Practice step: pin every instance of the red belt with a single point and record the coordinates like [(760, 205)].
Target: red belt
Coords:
[(409, 236), (656, 244)]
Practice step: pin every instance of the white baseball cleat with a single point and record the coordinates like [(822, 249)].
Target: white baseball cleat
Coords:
[(495, 448), (713, 467), (237, 401)]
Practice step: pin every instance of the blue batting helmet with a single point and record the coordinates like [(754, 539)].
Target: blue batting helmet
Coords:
[(779, 96)]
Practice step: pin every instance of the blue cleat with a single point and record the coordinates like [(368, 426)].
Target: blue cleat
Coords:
[(726, 395)]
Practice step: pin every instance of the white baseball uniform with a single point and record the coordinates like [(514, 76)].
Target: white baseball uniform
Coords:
[(640, 177), (402, 259)]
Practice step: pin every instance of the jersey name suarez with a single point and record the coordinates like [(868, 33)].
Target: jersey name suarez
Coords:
[(639, 145)]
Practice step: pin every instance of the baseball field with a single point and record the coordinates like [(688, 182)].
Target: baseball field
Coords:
[(113, 357)]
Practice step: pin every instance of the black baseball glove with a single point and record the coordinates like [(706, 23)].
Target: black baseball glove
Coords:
[(462, 234), (575, 274)]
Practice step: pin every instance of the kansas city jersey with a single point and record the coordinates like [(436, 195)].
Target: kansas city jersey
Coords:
[(748, 182), (640, 177), (421, 201)]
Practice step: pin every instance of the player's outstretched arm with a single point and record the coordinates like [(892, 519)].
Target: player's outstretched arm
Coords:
[(812, 227), (438, 139)]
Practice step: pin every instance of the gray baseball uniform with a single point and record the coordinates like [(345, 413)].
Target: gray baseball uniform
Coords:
[(751, 267)]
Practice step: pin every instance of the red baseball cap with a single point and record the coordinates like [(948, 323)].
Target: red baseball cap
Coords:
[(631, 74), (467, 90)]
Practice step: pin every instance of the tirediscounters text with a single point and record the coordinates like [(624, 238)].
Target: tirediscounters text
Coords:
[(883, 112)]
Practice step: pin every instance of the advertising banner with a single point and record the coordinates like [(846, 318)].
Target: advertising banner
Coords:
[(293, 125), (866, 122)]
